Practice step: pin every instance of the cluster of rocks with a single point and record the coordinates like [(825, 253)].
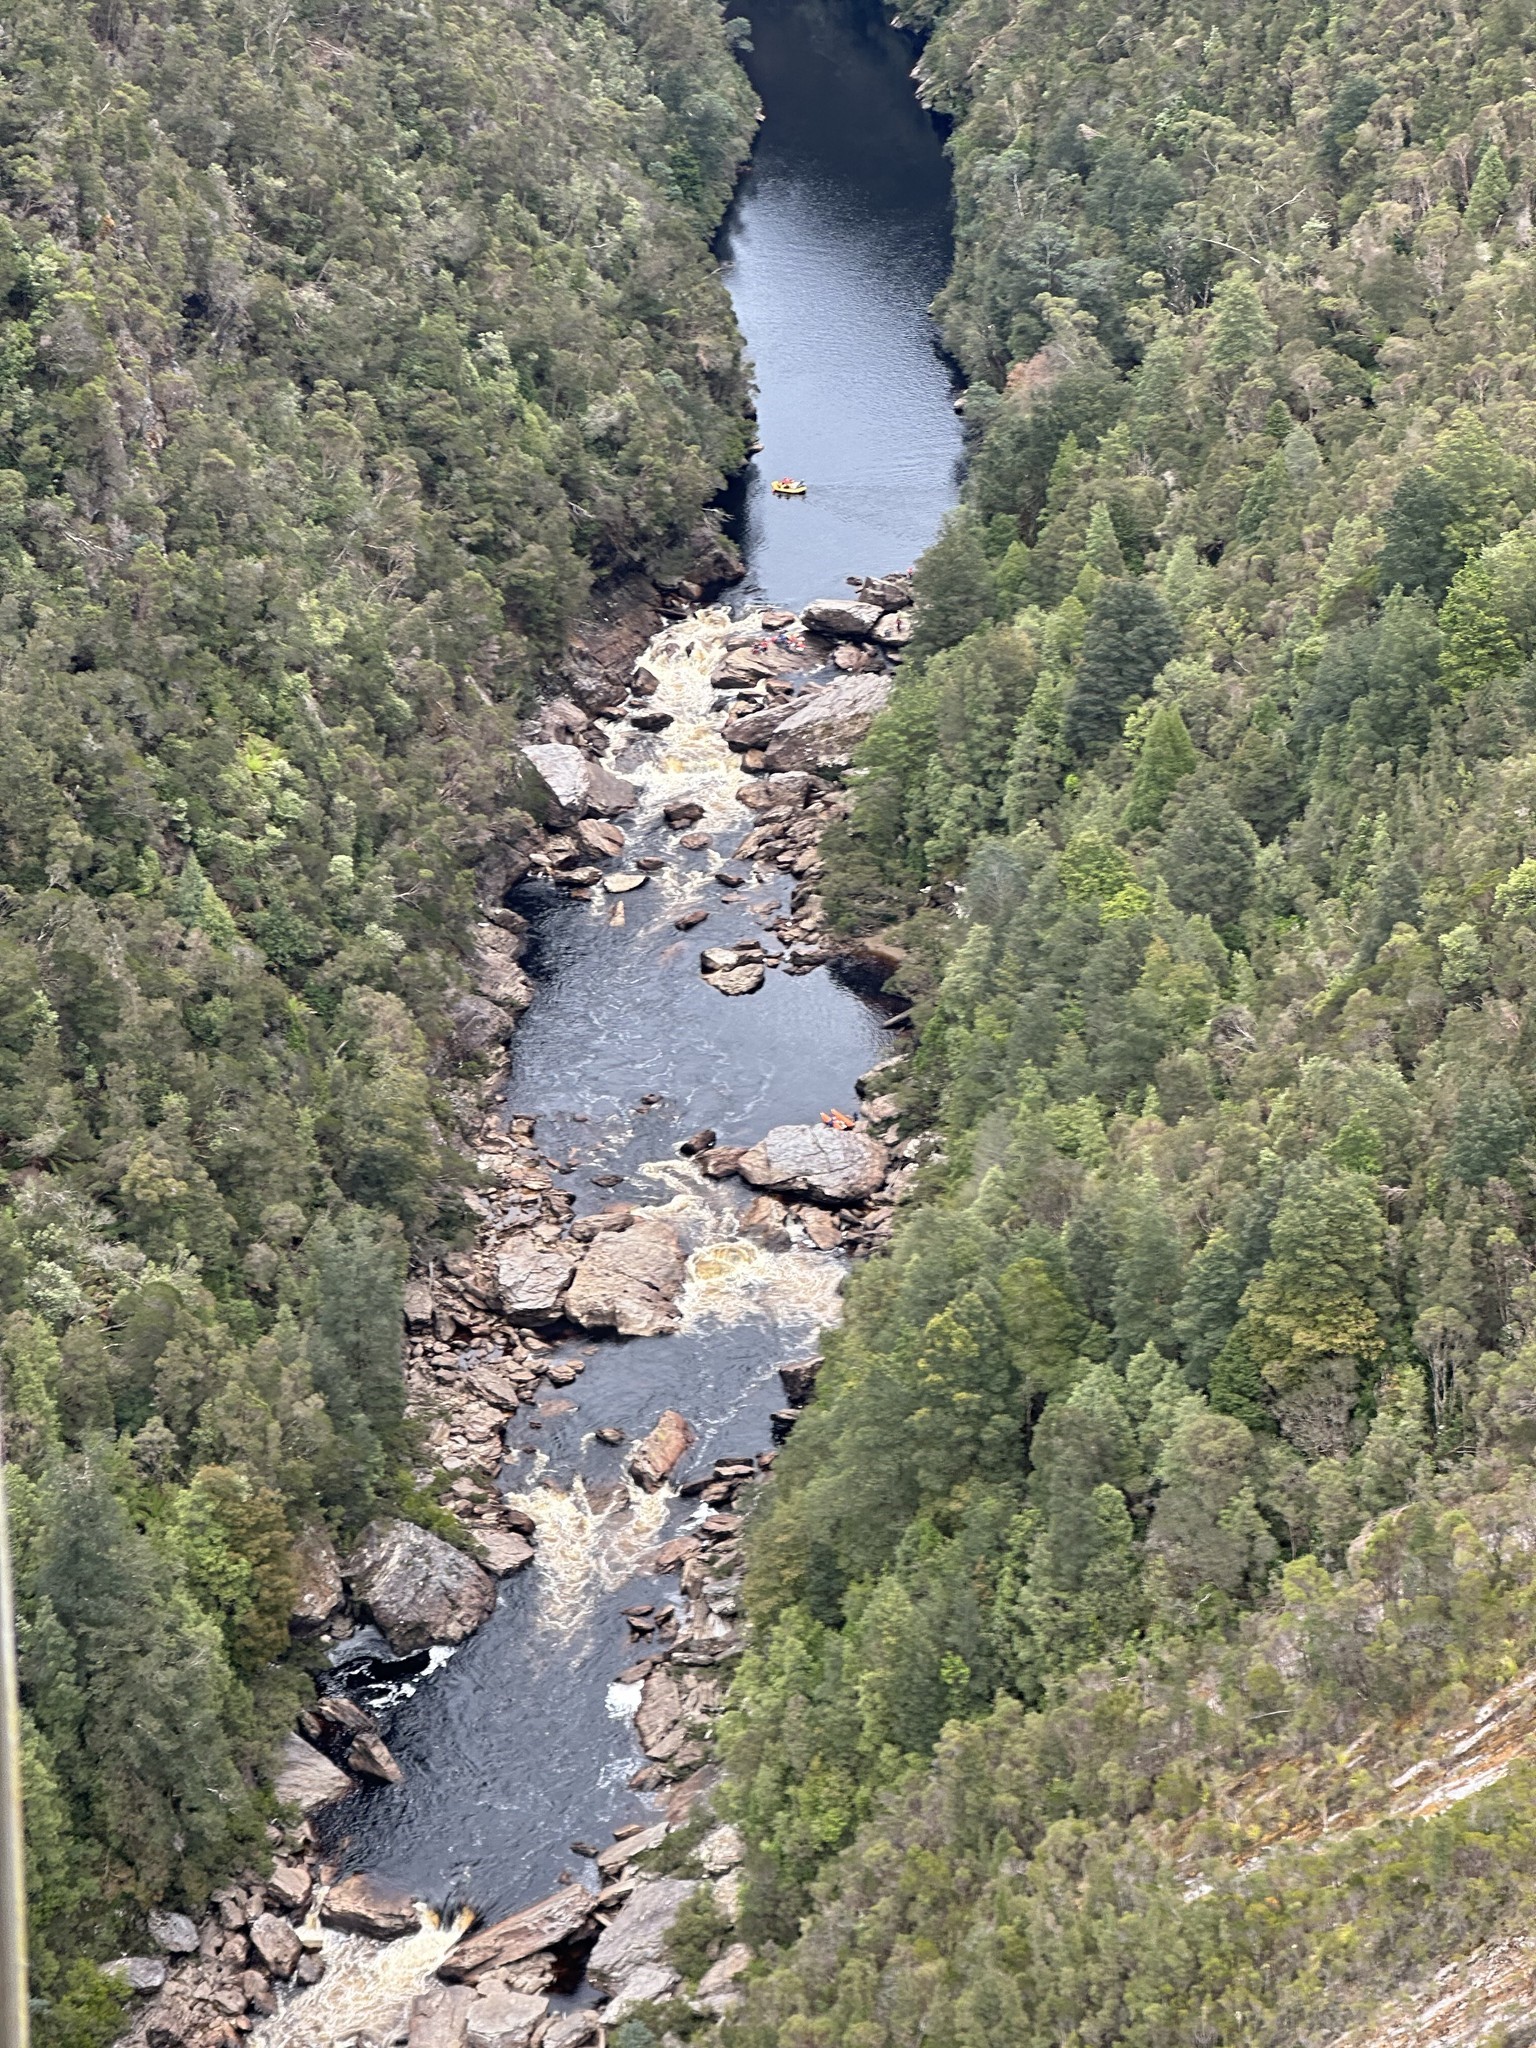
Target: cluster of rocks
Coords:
[(795, 736), (503, 1973), (838, 1187), (484, 1016), (417, 1588), (483, 1326), (482, 1330), (207, 1983)]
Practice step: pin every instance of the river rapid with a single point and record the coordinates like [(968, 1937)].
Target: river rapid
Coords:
[(520, 1742)]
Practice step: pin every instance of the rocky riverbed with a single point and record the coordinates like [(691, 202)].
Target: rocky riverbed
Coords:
[(637, 785)]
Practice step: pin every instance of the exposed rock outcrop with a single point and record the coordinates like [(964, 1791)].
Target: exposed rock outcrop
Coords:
[(140, 1974), (544, 1925), (366, 1905), (318, 1592), (306, 1779), (655, 1456), (504, 1550), (502, 2018), (630, 1280), (477, 1025), (659, 1717), (573, 787), (824, 727), (276, 1943), (842, 617), (496, 971), (176, 1933), (531, 1279), (419, 1589), (815, 1161), (636, 1937)]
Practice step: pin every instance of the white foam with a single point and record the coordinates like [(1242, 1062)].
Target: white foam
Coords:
[(366, 1990), (582, 1550), (622, 1702)]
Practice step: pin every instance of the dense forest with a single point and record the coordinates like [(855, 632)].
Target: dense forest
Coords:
[(1165, 1512), (1167, 1493), (343, 344)]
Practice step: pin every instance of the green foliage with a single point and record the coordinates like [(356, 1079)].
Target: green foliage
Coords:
[(1415, 552), (1172, 1448), (1208, 857), (341, 351), (1129, 637), (1490, 189), (1166, 756), (953, 586), (697, 1936)]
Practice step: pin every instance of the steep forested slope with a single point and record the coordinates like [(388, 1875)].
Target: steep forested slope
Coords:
[(1185, 1428), (341, 344)]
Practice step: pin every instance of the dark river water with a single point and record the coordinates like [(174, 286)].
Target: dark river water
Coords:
[(838, 239), (518, 1743), (514, 1748)]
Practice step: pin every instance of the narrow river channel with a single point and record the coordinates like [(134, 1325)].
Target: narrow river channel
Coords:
[(838, 239), (520, 1742)]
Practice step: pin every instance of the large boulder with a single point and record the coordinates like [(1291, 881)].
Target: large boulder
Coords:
[(599, 839), (660, 1721), (369, 1756), (497, 975), (744, 980), (291, 1885), (177, 1932), (845, 618), (886, 593), (733, 970), (798, 1379), (500, 2018), (575, 787), (531, 1279), (275, 1942), (654, 1457), (558, 788), (611, 1861), (504, 1550), (141, 1974), (476, 1025), (439, 2018), (648, 1985), (306, 1779), (572, 2030), (419, 1589), (824, 727), (630, 1280), (366, 1905), (318, 1591), (756, 728), (544, 1925), (637, 1935), (816, 1161), (773, 792), (722, 1849)]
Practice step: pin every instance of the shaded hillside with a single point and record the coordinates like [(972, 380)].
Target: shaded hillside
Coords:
[(343, 345), (1203, 812)]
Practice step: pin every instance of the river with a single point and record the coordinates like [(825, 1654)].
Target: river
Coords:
[(838, 239), (520, 1743)]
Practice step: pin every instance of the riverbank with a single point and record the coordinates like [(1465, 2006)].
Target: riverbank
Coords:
[(719, 725)]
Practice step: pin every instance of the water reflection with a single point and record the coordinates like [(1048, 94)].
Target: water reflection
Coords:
[(838, 240)]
